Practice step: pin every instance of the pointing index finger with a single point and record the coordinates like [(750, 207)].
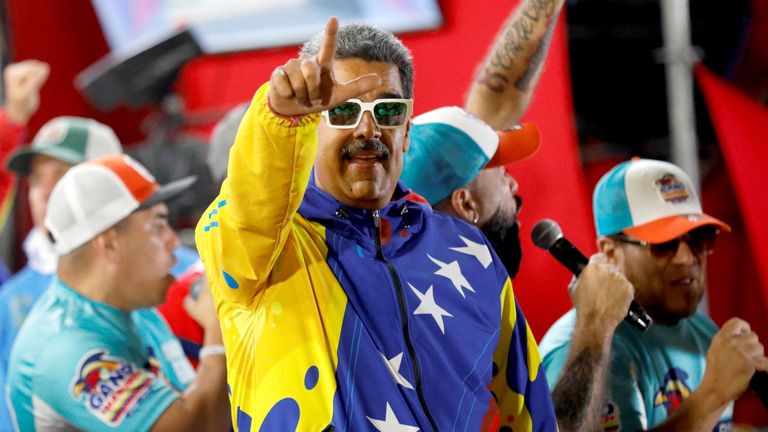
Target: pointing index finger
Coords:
[(328, 48)]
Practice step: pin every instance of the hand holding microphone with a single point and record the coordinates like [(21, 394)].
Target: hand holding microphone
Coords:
[(547, 235)]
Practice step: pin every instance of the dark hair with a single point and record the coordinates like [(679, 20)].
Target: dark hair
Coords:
[(371, 44)]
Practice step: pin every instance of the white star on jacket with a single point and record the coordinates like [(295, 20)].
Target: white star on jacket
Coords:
[(429, 307), (391, 423), (477, 250), (452, 271), (393, 366)]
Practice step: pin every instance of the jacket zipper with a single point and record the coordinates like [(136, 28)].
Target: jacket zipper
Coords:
[(404, 318)]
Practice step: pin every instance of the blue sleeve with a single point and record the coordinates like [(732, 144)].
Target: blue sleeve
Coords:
[(553, 362), (94, 387), (164, 347)]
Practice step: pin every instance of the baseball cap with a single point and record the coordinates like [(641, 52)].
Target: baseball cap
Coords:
[(222, 138), (69, 139), (449, 147), (650, 200), (93, 196)]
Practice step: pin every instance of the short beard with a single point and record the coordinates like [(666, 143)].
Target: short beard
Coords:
[(503, 233)]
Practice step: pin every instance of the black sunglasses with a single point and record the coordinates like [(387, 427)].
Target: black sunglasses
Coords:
[(701, 240)]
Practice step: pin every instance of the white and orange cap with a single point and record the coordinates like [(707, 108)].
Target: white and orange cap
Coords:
[(450, 146), (650, 200), (95, 195)]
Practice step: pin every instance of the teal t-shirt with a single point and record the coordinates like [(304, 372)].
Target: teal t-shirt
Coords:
[(77, 362), (651, 373)]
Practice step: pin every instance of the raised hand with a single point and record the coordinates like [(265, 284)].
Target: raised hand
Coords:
[(23, 81), (306, 85), (601, 295), (202, 309), (732, 359)]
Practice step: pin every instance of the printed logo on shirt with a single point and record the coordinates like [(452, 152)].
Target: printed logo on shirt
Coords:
[(672, 189), (153, 363), (673, 391), (610, 419), (110, 387)]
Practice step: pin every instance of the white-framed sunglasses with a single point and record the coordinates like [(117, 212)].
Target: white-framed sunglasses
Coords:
[(387, 113)]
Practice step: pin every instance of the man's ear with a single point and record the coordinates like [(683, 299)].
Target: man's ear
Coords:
[(464, 205), (107, 245), (607, 246)]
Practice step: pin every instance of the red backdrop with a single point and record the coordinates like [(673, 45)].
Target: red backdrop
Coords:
[(66, 34), (445, 61)]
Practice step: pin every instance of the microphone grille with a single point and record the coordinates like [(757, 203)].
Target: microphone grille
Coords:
[(545, 233)]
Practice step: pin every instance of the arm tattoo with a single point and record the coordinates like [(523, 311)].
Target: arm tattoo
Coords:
[(513, 43), (526, 80), (578, 385)]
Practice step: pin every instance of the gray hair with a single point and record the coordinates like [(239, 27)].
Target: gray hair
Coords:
[(371, 44)]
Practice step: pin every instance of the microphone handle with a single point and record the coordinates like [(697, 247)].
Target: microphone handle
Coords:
[(759, 385), (569, 256), (575, 261)]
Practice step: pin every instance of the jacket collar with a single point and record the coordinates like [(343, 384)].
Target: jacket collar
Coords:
[(400, 213)]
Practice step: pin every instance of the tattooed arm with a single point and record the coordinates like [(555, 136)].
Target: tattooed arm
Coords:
[(505, 81), (601, 296)]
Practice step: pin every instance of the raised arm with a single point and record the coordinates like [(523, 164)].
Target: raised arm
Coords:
[(244, 230), (505, 80), (23, 81), (601, 296)]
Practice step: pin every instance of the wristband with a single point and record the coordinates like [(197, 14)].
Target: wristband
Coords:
[(209, 350)]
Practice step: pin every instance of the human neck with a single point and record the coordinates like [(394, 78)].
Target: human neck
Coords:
[(92, 282)]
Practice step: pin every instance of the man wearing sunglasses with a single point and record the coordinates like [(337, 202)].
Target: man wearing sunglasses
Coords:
[(682, 374), (344, 305)]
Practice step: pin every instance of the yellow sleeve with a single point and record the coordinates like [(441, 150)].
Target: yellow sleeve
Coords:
[(519, 384), (242, 232)]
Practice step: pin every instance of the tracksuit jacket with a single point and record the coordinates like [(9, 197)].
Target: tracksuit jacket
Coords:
[(337, 318)]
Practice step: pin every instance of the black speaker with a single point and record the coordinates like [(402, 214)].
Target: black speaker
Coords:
[(140, 77)]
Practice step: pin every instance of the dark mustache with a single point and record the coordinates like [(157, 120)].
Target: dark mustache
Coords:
[(362, 144)]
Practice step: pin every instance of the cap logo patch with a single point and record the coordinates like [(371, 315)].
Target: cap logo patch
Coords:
[(51, 135), (672, 190), (694, 217)]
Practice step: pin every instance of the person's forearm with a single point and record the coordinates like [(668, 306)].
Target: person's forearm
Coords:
[(211, 387), (504, 84), (207, 398), (579, 394), (699, 413)]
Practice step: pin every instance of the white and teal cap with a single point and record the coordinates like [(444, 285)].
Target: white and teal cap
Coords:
[(650, 200), (449, 147)]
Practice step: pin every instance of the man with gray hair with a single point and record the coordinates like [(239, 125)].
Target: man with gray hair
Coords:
[(343, 304)]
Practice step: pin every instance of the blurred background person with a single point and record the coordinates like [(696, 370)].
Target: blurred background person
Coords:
[(21, 90), (60, 144), (93, 354)]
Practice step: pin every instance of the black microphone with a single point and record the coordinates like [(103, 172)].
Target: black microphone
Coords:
[(547, 235), (759, 385)]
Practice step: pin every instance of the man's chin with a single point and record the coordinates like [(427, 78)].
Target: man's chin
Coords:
[(368, 194)]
